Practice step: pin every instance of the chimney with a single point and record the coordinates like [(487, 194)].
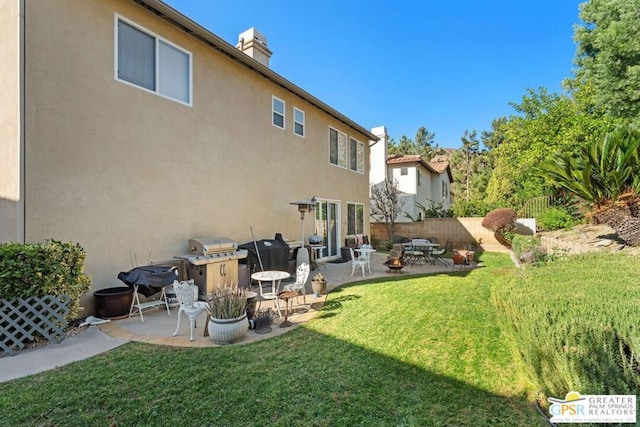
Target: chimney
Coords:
[(254, 43), (378, 156)]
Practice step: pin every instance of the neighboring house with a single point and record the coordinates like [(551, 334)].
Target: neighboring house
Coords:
[(427, 183), (129, 128)]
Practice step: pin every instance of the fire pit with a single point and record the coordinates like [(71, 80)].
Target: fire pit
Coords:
[(395, 265)]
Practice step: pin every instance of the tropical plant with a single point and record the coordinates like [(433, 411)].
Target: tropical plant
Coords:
[(606, 173), (227, 302), (435, 210)]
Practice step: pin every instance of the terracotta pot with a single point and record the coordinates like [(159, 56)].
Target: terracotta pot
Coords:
[(227, 331)]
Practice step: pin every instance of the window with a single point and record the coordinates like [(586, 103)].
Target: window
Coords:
[(298, 122), (355, 218), (444, 189), (278, 112), (417, 178), (356, 149), (404, 171), (149, 62), (337, 148)]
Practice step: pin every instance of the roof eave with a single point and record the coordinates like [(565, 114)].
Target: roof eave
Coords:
[(192, 28)]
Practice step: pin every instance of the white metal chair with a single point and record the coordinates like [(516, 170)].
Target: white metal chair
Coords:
[(365, 254), (302, 274), (357, 262), (188, 304)]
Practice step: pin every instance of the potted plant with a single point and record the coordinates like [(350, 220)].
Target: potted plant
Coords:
[(228, 314), (319, 285)]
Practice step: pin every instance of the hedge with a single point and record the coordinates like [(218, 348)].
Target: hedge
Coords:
[(576, 323), (39, 269)]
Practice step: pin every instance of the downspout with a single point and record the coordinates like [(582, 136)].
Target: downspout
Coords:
[(21, 215)]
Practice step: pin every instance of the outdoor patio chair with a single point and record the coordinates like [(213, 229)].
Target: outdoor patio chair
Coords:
[(357, 262), (438, 253), (464, 256), (416, 251), (365, 254), (188, 304), (302, 274)]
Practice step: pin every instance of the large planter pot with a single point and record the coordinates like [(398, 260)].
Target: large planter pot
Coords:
[(227, 331), (319, 288), (113, 303)]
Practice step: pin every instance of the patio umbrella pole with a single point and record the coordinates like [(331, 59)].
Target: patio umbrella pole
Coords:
[(256, 246)]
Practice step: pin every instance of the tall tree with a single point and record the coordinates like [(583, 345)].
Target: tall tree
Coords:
[(608, 54), (470, 148), (422, 145), (546, 125)]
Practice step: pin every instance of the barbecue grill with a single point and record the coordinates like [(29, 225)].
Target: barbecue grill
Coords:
[(213, 263)]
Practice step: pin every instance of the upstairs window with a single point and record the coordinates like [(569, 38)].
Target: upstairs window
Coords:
[(278, 112), (337, 148), (298, 122), (404, 171), (151, 63), (355, 218), (356, 153)]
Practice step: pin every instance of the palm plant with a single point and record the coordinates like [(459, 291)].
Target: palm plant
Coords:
[(227, 302), (606, 173)]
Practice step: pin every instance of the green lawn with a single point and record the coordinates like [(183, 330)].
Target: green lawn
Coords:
[(396, 351)]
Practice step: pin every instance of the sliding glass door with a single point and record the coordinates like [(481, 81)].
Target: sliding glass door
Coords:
[(327, 225)]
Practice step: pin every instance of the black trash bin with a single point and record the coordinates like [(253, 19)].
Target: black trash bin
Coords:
[(345, 253)]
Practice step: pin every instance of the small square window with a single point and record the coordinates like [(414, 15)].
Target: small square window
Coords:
[(298, 122), (278, 112), (404, 171)]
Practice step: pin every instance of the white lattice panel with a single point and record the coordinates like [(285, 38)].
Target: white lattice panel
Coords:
[(22, 320)]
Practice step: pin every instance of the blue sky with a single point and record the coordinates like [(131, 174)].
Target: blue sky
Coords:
[(447, 65)]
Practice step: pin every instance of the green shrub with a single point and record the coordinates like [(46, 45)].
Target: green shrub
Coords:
[(39, 269), (470, 208), (556, 218), (529, 251), (576, 331), (503, 223)]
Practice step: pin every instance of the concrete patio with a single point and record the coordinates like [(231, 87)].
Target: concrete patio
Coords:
[(158, 326)]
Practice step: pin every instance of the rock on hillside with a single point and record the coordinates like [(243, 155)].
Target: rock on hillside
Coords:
[(585, 238)]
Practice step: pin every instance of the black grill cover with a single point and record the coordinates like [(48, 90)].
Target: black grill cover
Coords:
[(274, 254), (149, 278)]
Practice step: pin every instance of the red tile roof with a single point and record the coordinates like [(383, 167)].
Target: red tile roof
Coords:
[(437, 167)]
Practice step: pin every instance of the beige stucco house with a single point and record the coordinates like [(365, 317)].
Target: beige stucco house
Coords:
[(129, 128), (419, 181)]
